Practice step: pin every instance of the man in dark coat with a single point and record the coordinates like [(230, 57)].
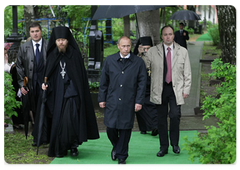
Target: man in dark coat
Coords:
[(147, 116), (181, 36), (31, 59), (121, 94), (68, 99)]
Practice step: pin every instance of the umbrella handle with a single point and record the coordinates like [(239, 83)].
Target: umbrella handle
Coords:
[(25, 81), (45, 80)]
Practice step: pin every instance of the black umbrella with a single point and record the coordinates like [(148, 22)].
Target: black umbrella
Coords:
[(41, 116), (185, 15), (118, 11), (25, 107)]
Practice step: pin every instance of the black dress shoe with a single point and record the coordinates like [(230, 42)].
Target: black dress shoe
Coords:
[(113, 154), (74, 152), (121, 161), (154, 132), (176, 149), (143, 132), (161, 153)]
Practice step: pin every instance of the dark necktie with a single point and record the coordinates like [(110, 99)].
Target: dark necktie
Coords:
[(169, 66), (37, 53)]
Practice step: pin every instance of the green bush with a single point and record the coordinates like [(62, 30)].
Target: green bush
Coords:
[(10, 101), (214, 33), (190, 30), (219, 144), (93, 86)]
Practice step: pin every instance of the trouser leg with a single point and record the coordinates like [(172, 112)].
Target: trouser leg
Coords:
[(175, 115), (120, 139), (163, 125)]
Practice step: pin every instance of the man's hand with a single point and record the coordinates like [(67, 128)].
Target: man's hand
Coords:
[(138, 107), (102, 104), (44, 87), (24, 92), (185, 95)]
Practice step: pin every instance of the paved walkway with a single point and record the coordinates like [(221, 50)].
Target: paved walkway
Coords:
[(189, 121), (195, 53)]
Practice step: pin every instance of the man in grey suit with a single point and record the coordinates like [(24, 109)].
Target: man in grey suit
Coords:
[(31, 60)]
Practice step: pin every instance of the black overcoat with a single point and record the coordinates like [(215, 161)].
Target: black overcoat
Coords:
[(121, 88), (180, 39)]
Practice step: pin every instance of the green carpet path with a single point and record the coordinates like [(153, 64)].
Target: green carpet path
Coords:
[(205, 37), (142, 150)]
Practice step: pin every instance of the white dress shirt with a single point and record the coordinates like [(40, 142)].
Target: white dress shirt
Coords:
[(39, 47)]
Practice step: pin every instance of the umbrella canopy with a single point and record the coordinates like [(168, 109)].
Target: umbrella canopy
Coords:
[(6, 45), (185, 15), (118, 11)]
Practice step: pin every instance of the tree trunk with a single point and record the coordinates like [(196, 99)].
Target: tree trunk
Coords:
[(227, 32), (148, 24), (126, 21), (29, 17)]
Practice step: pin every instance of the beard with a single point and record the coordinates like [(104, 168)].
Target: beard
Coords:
[(62, 48)]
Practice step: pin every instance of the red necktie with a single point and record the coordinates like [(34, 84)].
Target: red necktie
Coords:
[(169, 66)]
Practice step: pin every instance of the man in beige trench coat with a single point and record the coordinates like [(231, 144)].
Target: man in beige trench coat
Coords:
[(169, 87)]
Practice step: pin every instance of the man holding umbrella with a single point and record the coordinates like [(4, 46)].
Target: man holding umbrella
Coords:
[(31, 59), (68, 95), (181, 36)]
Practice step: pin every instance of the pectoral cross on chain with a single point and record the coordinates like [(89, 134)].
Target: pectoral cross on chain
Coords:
[(149, 72), (63, 72)]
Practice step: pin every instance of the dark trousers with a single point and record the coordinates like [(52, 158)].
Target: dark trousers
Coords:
[(120, 139), (168, 99)]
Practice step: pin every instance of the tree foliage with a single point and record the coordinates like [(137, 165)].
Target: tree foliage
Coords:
[(219, 144), (8, 23), (75, 13), (10, 101)]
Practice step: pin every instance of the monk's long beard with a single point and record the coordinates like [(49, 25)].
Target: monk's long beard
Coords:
[(62, 50)]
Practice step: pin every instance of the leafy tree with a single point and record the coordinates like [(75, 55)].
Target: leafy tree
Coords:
[(8, 25), (75, 13), (219, 144), (10, 101)]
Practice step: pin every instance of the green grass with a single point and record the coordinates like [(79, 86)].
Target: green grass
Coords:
[(110, 49), (210, 48), (19, 150)]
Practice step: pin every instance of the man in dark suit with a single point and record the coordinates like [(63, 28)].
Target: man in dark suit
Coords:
[(121, 94), (181, 36), (31, 59)]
